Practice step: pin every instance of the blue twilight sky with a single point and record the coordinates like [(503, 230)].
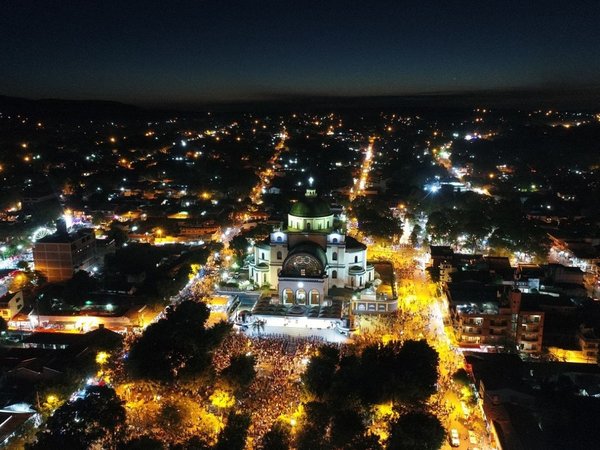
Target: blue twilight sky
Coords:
[(186, 51)]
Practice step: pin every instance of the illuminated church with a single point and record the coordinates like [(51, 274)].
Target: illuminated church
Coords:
[(304, 261)]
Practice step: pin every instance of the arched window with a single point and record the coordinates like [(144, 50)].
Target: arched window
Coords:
[(328, 224), (334, 240), (279, 239), (334, 256), (301, 297), (288, 296), (334, 274), (279, 255), (319, 225), (308, 225), (356, 259), (360, 281), (262, 255), (314, 297)]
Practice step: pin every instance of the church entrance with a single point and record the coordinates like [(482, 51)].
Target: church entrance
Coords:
[(301, 297)]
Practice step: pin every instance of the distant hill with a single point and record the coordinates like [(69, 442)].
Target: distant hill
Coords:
[(88, 109), (580, 99)]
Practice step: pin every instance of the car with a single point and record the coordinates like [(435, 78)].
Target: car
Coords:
[(473, 438), (454, 439), (465, 410)]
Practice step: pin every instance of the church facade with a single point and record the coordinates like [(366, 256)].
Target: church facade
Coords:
[(308, 258)]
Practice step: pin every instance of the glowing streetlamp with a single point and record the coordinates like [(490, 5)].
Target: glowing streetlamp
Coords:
[(102, 358)]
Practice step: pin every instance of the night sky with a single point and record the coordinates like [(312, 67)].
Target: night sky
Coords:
[(174, 51)]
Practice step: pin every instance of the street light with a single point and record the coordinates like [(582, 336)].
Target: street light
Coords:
[(102, 357)]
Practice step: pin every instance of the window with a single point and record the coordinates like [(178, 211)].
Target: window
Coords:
[(279, 255), (334, 256), (262, 255), (279, 239), (301, 297), (314, 297), (356, 259), (288, 296), (334, 274), (334, 240), (308, 225), (328, 224)]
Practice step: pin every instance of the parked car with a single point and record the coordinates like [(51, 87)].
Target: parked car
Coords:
[(473, 438), (454, 439)]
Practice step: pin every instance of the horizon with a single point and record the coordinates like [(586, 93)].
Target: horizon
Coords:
[(586, 97)]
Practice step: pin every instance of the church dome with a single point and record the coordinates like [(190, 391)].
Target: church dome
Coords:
[(310, 207), (307, 259)]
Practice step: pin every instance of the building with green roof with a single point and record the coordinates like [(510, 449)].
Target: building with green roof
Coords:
[(305, 260)]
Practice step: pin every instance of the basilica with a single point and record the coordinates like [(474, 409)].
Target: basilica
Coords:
[(310, 257)]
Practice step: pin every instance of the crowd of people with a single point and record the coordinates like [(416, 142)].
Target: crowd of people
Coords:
[(280, 362)]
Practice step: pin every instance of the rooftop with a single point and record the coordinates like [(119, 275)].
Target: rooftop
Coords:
[(65, 238), (311, 207)]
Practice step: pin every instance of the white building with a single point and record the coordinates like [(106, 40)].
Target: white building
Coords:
[(308, 258)]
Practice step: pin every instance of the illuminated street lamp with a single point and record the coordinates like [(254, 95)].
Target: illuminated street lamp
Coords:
[(102, 358)]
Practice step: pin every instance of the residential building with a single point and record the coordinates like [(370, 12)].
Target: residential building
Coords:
[(61, 254), (11, 304)]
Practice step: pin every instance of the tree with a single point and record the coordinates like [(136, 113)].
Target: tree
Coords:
[(23, 265), (172, 417), (239, 244), (117, 233), (312, 431), (20, 281), (79, 287), (258, 326), (278, 437), (376, 219), (461, 377), (418, 363), (98, 418), (414, 235), (416, 431), (233, 436), (240, 372), (193, 443), (346, 427), (321, 370), (142, 443), (381, 373), (177, 346)]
